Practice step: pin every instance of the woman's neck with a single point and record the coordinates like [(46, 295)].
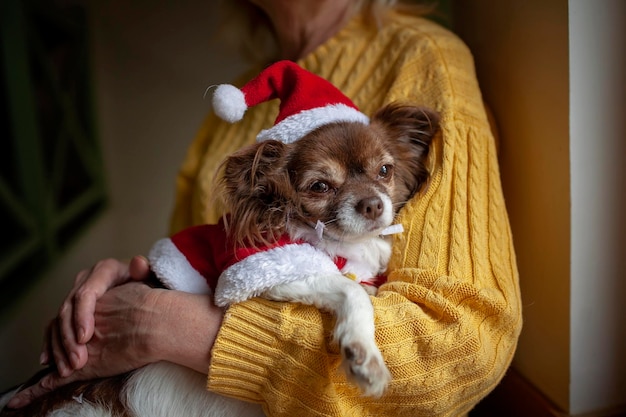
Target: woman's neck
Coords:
[(301, 26)]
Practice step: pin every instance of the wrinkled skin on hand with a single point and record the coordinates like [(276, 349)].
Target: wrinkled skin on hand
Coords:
[(116, 345)]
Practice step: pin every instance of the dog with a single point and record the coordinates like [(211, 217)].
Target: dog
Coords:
[(335, 191)]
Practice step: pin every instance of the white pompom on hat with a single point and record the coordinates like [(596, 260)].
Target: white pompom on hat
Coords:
[(229, 103), (307, 101)]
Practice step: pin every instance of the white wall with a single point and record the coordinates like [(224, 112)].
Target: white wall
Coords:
[(597, 44), (152, 63)]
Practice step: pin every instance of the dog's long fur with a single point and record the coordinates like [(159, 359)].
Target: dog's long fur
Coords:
[(350, 177)]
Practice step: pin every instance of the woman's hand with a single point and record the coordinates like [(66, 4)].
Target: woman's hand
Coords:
[(118, 343), (67, 334), (136, 325)]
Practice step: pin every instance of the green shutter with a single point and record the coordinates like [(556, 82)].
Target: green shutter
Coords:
[(51, 174)]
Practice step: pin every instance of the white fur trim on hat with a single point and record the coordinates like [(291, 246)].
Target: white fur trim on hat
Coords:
[(301, 124), (174, 270), (229, 103), (261, 271)]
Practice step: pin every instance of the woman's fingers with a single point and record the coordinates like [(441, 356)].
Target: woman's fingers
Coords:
[(61, 357), (44, 357), (139, 268), (125, 322), (67, 335), (45, 385), (103, 276), (54, 345)]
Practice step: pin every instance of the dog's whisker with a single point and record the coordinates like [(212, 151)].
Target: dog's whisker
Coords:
[(207, 90)]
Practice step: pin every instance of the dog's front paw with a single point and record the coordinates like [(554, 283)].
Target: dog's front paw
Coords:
[(370, 289), (365, 366)]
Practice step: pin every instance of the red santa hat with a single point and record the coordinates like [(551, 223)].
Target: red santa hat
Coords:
[(307, 101)]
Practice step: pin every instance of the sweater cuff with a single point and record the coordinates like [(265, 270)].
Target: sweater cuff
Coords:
[(248, 359), (239, 356)]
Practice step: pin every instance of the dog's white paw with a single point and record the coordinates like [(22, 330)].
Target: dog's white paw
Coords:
[(365, 366)]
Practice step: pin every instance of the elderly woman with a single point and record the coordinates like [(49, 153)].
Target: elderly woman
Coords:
[(447, 320)]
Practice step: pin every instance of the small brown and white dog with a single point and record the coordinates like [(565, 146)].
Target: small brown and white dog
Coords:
[(337, 189)]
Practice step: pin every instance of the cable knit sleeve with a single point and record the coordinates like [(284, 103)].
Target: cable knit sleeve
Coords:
[(448, 319)]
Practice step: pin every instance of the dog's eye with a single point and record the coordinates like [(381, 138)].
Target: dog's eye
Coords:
[(320, 187), (385, 171)]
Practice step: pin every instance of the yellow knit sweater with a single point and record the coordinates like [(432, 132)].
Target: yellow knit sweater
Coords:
[(448, 320)]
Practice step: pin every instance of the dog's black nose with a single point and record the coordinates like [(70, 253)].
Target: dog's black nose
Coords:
[(370, 208)]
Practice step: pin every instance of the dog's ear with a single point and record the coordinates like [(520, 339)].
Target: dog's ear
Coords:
[(256, 192), (410, 131)]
